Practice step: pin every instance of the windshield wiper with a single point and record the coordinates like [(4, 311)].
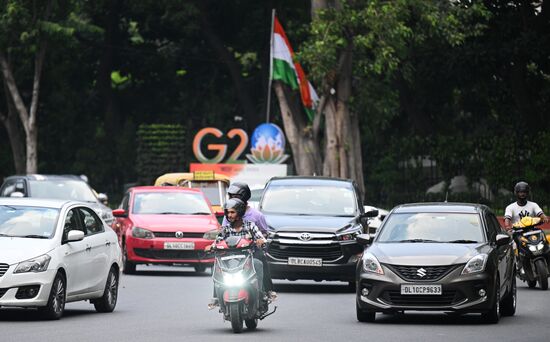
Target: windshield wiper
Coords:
[(34, 236), (418, 240), (462, 241), (5, 235), (9, 206)]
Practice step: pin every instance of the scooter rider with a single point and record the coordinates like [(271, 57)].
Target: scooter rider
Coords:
[(234, 210), (242, 191), (522, 207)]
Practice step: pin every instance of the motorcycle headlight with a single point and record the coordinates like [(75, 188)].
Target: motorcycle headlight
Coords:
[(38, 264), (211, 234), (371, 264), (476, 264), (142, 233), (536, 248), (233, 279)]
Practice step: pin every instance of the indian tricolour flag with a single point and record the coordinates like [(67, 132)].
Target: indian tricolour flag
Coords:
[(287, 70)]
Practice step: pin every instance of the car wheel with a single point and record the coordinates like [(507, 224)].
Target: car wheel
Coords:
[(508, 305), (200, 268), (108, 301), (542, 271), (128, 267), (364, 316), (352, 286), (56, 301), (493, 315), (531, 283)]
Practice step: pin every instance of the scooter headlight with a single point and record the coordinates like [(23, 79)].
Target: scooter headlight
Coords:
[(233, 279)]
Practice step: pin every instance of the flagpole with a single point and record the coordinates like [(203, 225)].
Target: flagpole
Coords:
[(270, 67)]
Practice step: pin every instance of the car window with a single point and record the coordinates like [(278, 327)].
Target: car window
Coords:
[(494, 226), (11, 186), (71, 223), (27, 221), (324, 200), (170, 202), (8, 188), (90, 221), (438, 227), (63, 189), (125, 201)]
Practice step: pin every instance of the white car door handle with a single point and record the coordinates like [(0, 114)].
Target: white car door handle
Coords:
[(89, 248), (108, 243)]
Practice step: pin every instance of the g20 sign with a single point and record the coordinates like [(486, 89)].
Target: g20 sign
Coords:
[(268, 145)]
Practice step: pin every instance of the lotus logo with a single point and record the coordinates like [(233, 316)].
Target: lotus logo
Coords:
[(179, 235), (305, 237), (421, 272)]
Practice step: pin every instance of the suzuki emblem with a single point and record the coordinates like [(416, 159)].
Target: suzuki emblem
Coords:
[(421, 272), (179, 235), (305, 237)]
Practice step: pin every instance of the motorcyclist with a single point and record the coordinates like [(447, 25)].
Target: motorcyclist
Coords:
[(522, 207), (242, 191), (234, 210)]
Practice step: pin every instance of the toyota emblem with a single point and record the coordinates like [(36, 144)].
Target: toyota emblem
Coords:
[(305, 237), (179, 235), (421, 272)]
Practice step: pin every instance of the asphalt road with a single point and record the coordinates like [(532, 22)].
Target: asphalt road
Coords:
[(169, 304)]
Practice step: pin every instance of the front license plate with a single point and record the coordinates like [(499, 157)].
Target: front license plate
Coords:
[(409, 289), (305, 261), (179, 245)]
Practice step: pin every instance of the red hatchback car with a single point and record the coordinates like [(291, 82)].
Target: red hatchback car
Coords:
[(165, 225)]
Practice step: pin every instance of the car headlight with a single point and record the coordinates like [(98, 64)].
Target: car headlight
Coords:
[(38, 264), (142, 233), (371, 264), (211, 234), (233, 279), (349, 234), (476, 264)]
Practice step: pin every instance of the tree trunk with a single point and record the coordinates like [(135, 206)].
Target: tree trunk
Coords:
[(15, 134)]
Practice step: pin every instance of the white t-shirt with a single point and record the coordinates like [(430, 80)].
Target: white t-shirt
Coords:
[(515, 212)]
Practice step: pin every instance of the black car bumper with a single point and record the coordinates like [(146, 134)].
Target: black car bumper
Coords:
[(460, 293)]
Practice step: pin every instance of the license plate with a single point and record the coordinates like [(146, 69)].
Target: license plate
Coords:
[(409, 289), (305, 261), (179, 245)]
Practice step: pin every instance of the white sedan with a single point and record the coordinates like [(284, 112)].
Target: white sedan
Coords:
[(53, 252)]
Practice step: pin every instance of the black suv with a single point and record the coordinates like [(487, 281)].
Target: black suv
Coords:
[(313, 222)]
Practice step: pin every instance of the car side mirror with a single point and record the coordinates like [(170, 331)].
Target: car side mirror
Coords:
[(75, 235), (120, 213), (371, 213), (364, 239), (502, 239)]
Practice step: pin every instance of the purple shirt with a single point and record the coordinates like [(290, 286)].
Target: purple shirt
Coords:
[(252, 215)]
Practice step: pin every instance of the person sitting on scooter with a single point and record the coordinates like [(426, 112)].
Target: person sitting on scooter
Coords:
[(234, 210), (242, 191), (522, 207)]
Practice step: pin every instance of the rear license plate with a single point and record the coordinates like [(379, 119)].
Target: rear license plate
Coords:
[(179, 245), (409, 289), (305, 261)]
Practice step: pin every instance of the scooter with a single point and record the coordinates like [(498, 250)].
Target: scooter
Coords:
[(533, 252), (236, 284)]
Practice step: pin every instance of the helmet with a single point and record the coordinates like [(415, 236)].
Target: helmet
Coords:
[(239, 190), (237, 204), (521, 186)]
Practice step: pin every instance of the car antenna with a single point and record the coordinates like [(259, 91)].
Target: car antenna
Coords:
[(446, 195)]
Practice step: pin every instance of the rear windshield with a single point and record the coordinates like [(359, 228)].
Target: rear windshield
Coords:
[(62, 189), (177, 203), (432, 227), (309, 200), (28, 222)]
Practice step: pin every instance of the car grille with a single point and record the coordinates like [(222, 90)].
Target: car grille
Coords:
[(446, 298), (169, 254), (431, 273), (173, 235), (3, 292), (3, 269), (326, 252)]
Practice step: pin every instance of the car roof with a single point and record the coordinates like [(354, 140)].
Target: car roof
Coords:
[(151, 188), (440, 207), (35, 202), (41, 177), (309, 180)]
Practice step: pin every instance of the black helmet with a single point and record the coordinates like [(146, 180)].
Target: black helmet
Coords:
[(521, 186), (237, 204), (239, 190)]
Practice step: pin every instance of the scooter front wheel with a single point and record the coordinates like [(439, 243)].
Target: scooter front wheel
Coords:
[(236, 319), (542, 272)]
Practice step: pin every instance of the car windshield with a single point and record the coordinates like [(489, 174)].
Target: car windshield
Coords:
[(27, 222), (62, 189), (432, 227), (319, 200), (211, 190), (256, 195), (170, 202)]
